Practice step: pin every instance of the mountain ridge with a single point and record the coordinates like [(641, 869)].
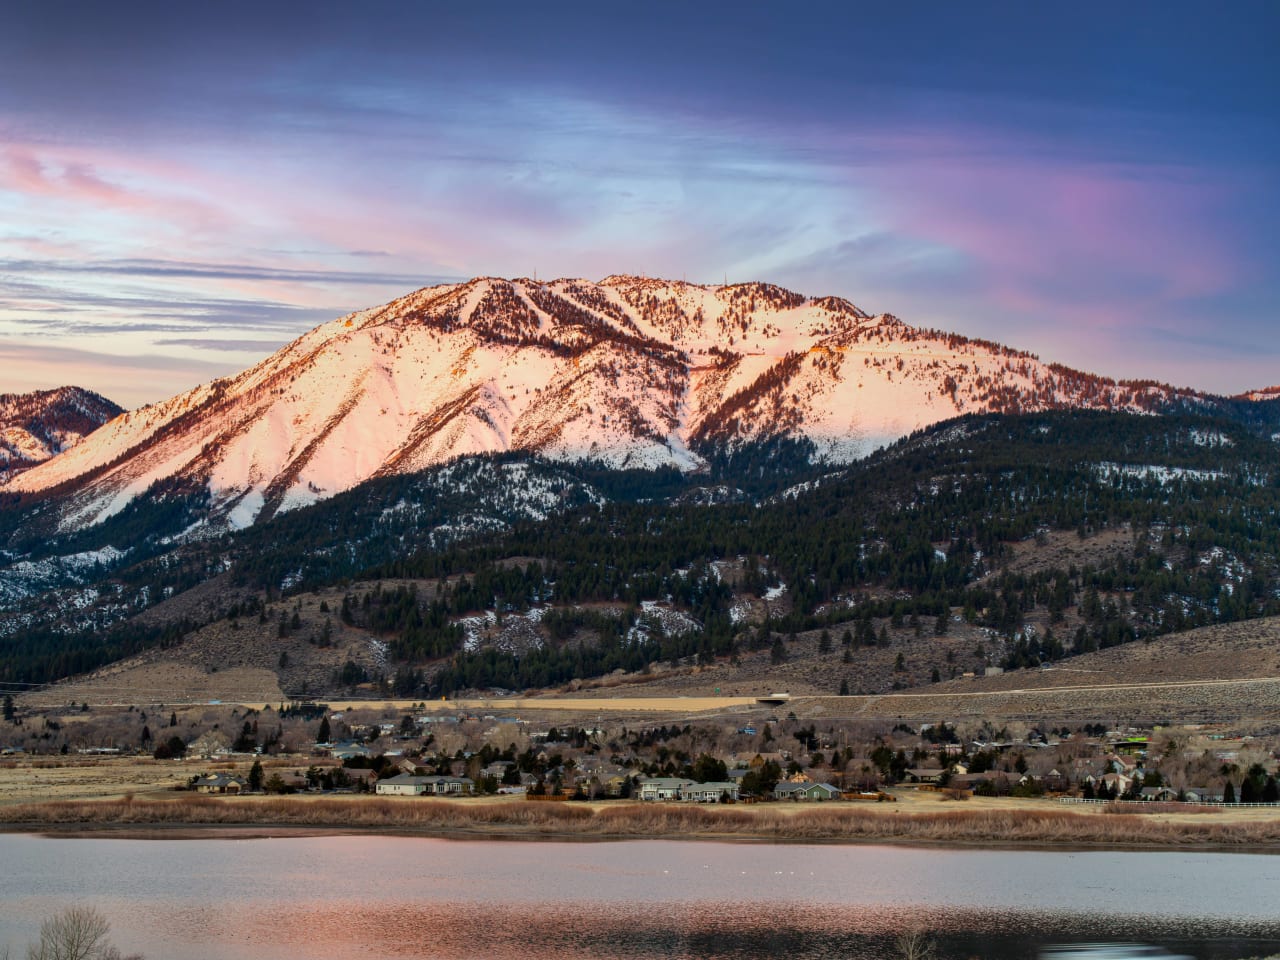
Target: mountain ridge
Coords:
[(630, 372), (37, 426)]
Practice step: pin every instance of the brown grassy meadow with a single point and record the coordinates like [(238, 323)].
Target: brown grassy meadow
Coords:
[(633, 820)]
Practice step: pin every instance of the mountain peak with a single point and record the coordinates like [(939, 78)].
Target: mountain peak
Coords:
[(631, 371)]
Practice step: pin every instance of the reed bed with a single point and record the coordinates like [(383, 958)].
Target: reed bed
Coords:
[(826, 823), (953, 826), (360, 812), (1158, 806)]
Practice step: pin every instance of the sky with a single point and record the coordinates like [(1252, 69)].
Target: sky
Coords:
[(184, 188)]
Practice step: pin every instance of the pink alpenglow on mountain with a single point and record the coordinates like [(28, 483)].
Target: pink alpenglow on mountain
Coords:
[(632, 372)]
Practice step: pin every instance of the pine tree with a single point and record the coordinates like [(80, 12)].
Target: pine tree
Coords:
[(8, 708), (255, 776), (844, 687), (322, 735), (1249, 792)]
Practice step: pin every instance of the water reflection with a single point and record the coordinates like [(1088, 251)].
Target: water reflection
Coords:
[(342, 897), (716, 931), (1108, 951)]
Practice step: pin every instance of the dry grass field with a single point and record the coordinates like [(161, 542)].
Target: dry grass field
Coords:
[(915, 820), (58, 779)]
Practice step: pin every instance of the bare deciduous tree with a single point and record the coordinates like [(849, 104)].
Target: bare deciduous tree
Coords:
[(915, 944), (78, 933)]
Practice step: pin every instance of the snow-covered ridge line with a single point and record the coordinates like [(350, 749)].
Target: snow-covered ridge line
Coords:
[(631, 372), (34, 427)]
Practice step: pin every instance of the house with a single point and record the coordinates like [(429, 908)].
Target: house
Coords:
[(760, 759), (225, 783), (1054, 780), (924, 774), (614, 786), (403, 785), (805, 791), (208, 745), (665, 788), (293, 781), (1117, 782), (712, 791), (1158, 793), (450, 786), (346, 751), (967, 781), (1203, 794), (357, 776)]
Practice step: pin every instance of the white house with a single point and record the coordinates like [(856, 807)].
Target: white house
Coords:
[(404, 785), (665, 788)]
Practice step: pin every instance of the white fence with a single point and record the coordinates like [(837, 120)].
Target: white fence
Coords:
[(1188, 803)]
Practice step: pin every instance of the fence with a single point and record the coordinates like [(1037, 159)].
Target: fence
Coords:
[(1187, 803)]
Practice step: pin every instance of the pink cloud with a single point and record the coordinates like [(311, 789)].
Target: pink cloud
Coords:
[(1045, 232), (161, 196)]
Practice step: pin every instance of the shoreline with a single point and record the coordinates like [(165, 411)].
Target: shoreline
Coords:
[(1013, 829)]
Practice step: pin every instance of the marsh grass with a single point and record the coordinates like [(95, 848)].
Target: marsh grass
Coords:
[(825, 823)]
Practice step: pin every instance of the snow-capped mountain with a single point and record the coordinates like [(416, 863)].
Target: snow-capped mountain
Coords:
[(630, 371), (40, 425)]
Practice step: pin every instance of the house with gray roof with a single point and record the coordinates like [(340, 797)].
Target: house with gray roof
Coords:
[(712, 791), (403, 785), (805, 791), (665, 788)]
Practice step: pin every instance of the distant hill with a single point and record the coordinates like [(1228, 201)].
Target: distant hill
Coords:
[(37, 426)]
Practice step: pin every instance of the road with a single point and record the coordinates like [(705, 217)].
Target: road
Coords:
[(855, 704)]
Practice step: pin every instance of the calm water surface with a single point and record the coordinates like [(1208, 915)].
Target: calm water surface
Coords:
[(322, 898)]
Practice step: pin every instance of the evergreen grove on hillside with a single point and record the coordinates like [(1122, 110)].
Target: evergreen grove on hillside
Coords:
[(929, 523)]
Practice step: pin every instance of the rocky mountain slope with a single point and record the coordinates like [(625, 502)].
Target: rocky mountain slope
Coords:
[(630, 372), (37, 426)]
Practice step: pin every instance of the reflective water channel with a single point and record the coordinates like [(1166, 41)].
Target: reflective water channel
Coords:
[(383, 896)]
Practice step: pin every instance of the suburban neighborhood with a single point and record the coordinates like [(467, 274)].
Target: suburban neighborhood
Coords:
[(229, 751)]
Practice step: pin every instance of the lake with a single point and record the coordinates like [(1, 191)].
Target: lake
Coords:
[(382, 896)]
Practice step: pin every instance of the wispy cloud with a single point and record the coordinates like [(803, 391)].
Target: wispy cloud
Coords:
[(223, 345), (219, 271), (128, 380)]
